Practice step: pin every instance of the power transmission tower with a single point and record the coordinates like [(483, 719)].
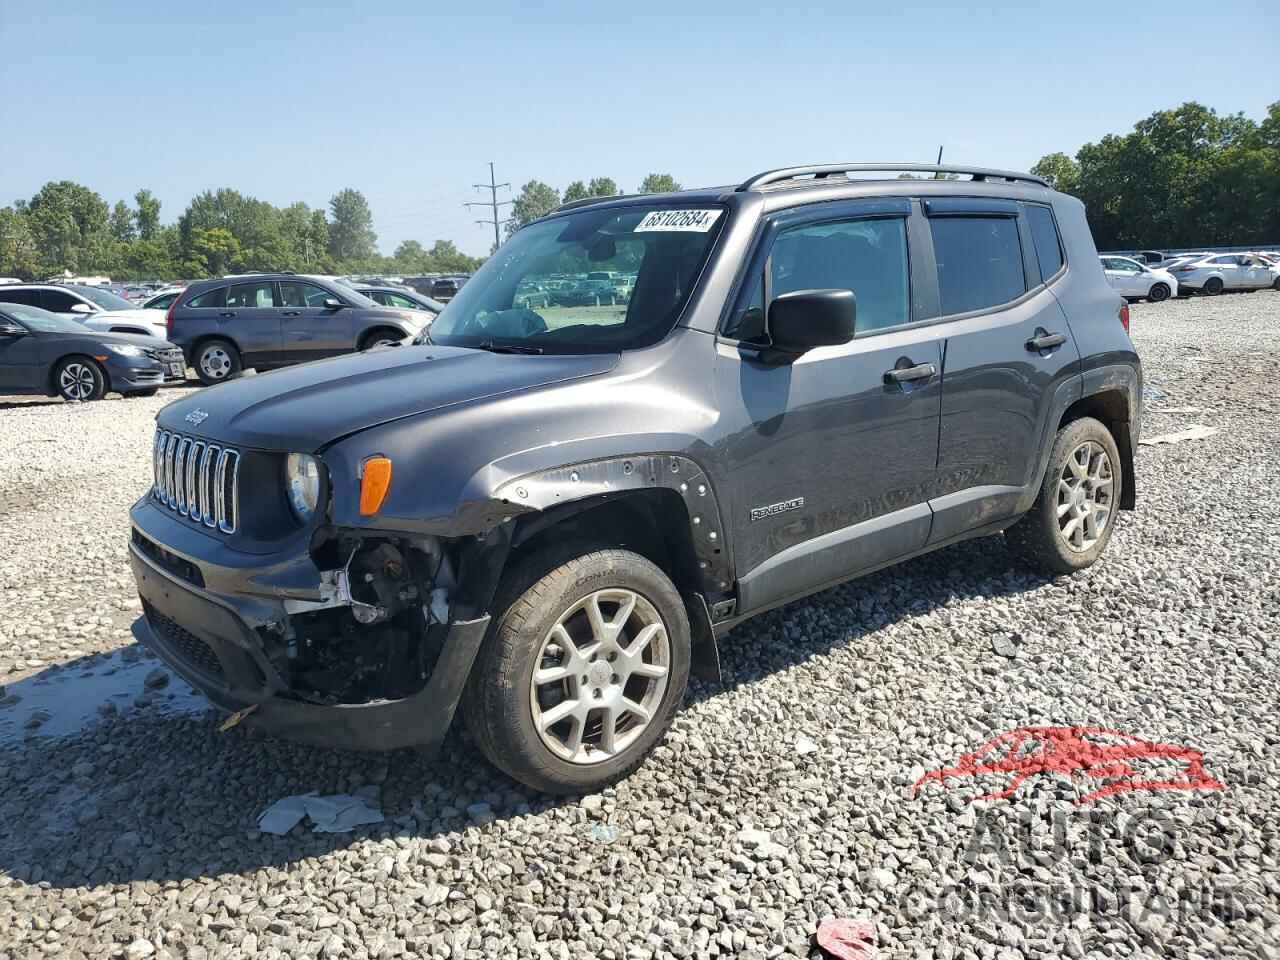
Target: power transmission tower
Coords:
[(492, 203)]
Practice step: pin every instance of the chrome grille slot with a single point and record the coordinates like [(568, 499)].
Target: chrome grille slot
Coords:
[(197, 479)]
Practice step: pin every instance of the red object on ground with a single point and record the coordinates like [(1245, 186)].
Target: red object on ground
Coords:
[(848, 939)]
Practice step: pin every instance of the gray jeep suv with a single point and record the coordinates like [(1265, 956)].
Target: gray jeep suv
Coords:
[(548, 516), (273, 320)]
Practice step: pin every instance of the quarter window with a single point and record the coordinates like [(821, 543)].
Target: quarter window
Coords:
[(1044, 234), (250, 296), (868, 257), (210, 298), (979, 262)]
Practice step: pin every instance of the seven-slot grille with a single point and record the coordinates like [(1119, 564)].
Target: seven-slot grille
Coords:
[(198, 479)]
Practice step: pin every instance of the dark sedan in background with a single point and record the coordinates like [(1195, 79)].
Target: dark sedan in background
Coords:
[(43, 353)]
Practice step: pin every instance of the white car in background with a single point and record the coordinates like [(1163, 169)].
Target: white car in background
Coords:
[(162, 299), (96, 308), (1226, 271), (1135, 280)]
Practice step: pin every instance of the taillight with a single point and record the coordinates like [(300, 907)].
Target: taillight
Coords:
[(168, 317), (1124, 316)]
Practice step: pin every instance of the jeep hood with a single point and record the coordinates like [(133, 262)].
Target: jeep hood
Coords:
[(307, 407)]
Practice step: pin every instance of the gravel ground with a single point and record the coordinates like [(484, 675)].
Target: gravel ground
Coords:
[(779, 799)]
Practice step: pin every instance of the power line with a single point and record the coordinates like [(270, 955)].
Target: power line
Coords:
[(493, 203)]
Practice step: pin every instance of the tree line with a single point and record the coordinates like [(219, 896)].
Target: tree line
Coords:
[(1185, 177), (68, 226), (537, 199)]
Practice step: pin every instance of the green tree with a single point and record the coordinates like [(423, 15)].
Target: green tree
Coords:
[(659, 183), (68, 222), (351, 236), (1060, 171), (120, 222), (410, 257), (445, 257), (602, 187), (214, 251), (148, 215), (18, 254), (536, 199), (575, 191)]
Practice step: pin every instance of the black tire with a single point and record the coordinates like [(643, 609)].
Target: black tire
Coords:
[(1276, 285), (217, 361), (79, 379), (379, 336), (1213, 286), (1159, 292), (144, 393), (498, 703), (1039, 535)]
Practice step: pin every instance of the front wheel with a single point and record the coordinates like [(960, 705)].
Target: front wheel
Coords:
[(79, 380), (582, 672), (216, 361), (1075, 513), (1159, 292)]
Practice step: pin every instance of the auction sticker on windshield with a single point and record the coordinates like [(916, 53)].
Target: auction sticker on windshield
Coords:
[(688, 221)]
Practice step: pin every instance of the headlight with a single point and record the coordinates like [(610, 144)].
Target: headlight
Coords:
[(302, 483), (126, 350)]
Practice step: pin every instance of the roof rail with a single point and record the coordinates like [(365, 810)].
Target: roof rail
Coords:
[(823, 170), (588, 201)]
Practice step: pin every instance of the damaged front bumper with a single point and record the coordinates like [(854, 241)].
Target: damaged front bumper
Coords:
[(239, 646)]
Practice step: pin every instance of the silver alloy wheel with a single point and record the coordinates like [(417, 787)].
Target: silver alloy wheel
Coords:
[(1085, 496), (600, 676), (77, 382), (215, 362)]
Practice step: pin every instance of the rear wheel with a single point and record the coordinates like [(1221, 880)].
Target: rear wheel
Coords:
[(582, 672), (1075, 513), (1158, 292), (80, 379), (216, 361), (1213, 286)]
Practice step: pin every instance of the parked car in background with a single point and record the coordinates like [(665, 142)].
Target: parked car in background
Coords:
[(1226, 271), (545, 519), (402, 298), (273, 320), (45, 353), (96, 307), (1138, 281), (443, 289)]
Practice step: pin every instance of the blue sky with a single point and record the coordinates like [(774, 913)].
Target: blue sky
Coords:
[(408, 101)]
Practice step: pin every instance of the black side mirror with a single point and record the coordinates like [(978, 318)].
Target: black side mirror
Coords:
[(8, 329), (333, 303), (805, 319)]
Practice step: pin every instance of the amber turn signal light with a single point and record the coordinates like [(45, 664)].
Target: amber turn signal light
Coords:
[(375, 481)]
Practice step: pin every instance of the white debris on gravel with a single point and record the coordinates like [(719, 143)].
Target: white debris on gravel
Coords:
[(336, 813), (1197, 431), (725, 843)]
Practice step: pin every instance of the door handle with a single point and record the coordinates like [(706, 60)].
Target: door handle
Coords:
[(921, 371), (229, 313), (291, 313), (1045, 341)]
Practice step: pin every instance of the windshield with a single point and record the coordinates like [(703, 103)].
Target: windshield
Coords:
[(104, 298), (540, 292), (42, 321)]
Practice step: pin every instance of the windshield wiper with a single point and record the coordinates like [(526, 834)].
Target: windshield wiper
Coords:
[(506, 347)]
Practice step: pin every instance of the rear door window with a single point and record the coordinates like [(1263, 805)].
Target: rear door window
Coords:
[(29, 297), (58, 301), (210, 298), (251, 296), (1044, 234), (979, 262)]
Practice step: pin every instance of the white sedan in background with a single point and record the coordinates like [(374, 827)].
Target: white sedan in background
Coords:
[(1227, 271), (1132, 279)]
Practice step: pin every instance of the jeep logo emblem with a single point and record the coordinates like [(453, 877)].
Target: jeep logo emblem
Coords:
[(197, 416)]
